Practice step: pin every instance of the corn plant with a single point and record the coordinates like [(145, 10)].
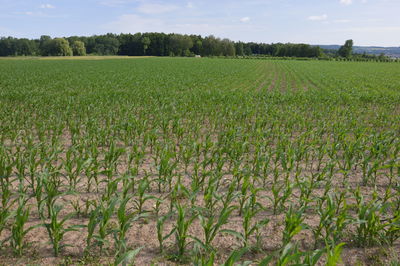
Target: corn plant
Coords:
[(180, 230), (18, 230), (334, 254), (333, 218), (111, 189), (56, 226), (293, 224), (212, 226), (211, 197), (7, 202), (280, 192), (289, 255), (51, 187), (104, 212), (370, 228), (251, 209), (75, 163), (94, 220), (160, 231), (126, 258), (111, 160), (142, 196), (125, 219), (392, 228), (235, 256)]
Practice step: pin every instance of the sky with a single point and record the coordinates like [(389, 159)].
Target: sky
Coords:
[(367, 22)]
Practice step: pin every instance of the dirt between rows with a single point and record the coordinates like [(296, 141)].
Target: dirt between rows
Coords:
[(143, 232)]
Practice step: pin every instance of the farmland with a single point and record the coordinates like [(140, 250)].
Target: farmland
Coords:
[(183, 160)]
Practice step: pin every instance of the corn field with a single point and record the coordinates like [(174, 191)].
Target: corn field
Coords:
[(199, 161)]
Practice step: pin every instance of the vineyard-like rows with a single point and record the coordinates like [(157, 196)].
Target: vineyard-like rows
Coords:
[(199, 161)]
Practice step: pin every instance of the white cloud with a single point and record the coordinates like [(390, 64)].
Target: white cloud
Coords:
[(346, 2), (318, 18), (154, 9), (48, 6), (245, 19)]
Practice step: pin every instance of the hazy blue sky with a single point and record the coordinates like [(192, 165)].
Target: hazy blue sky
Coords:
[(367, 22)]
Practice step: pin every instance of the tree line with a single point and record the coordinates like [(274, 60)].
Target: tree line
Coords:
[(150, 44), (345, 52)]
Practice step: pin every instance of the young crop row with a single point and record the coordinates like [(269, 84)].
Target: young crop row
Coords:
[(199, 161)]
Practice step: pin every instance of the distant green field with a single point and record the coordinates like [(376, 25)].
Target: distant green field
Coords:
[(197, 160)]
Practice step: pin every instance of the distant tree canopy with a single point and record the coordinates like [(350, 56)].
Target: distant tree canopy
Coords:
[(347, 49), (60, 47), (78, 48), (180, 44), (14, 46), (54, 47), (154, 44), (106, 44)]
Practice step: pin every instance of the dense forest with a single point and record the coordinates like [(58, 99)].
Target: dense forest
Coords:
[(151, 44), (161, 44)]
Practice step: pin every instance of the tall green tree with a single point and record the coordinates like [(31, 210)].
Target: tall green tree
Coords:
[(106, 44), (25, 47), (60, 47), (6, 46), (180, 44), (130, 44), (227, 47), (247, 50), (146, 42), (197, 44), (239, 48), (45, 45), (78, 48), (347, 49), (211, 46)]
